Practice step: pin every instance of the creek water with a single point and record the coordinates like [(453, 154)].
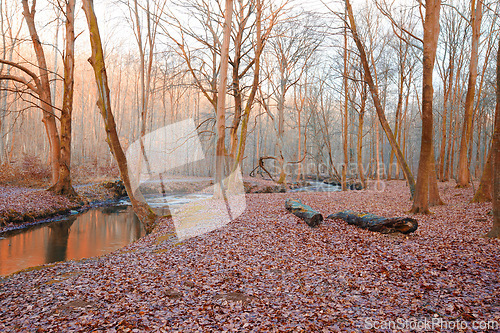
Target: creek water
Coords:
[(317, 186), (92, 233)]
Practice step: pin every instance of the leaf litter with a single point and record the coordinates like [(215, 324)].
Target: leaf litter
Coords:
[(269, 271)]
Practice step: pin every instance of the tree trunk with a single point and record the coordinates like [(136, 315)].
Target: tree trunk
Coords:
[(141, 209), (63, 186), (299, 127), (377, 156), (398, 113), (495, 148), (376, 102), (465, 141), (477, 164), (220, 151), (434, 197), (483, 193), (255, 84), (361, 118), (345, 123), (233, 133), (431, 34), (49, 119), (447, 92)]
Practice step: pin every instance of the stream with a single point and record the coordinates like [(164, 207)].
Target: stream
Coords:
[(317, 186), (92, 233)]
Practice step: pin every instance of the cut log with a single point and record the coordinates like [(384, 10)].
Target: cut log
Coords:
[(305, 212), (404, 225)]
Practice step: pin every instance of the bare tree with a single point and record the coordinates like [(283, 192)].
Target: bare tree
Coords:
[(451, 26), (40, 86), (293, 45), (495, 230), (220, 150), (63, 185), (10, 37), (141, 209), (346, 109), (406, 67), (431, 34), (376, 100), (242, 62), (463, 162)]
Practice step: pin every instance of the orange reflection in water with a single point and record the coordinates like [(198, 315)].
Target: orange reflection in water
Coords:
[(93, 233)]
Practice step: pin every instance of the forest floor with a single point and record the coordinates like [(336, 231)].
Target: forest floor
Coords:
[(268, 271)]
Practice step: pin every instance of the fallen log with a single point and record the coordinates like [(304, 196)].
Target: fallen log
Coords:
[(404, 225), (305, 212)]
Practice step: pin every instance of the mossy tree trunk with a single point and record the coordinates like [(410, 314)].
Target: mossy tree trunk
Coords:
[(141, 209)]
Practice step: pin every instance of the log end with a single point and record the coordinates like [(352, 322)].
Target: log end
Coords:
[(315, 220), (407, 225), (306, 213)]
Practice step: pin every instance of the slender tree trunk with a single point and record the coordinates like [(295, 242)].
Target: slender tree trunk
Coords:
[(281, 120), (361, 118), (220, 151), (495, 148), (345, 123), (477, 164), (454, 143), (465, 141), (142, 67), (376, 101), (447, 92), (377, 155), (402, 124), (398, 117), (255, 84), (49, 119), (434, 197), (233, 133), (431, 34), (299, 125), (141, 209)]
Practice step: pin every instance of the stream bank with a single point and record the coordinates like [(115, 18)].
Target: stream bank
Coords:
[(21, 207)]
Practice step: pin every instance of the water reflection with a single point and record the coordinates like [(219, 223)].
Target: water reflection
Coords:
[(93, 233), (57, 244)]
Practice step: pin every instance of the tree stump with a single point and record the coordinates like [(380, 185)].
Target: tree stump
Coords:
[(404, 225), (305, 212)]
